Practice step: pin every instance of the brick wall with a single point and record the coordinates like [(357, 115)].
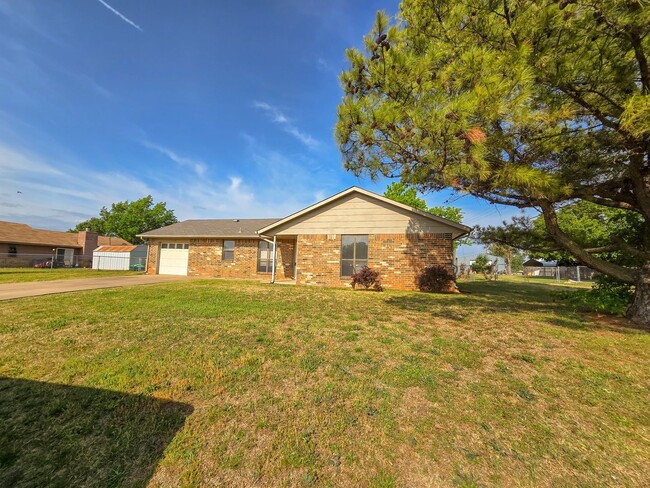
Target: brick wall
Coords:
[(205, 259), (153, 251), (397, 257), (284, 259)]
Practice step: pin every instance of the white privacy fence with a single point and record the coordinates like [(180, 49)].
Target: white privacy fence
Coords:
[(123, 261)]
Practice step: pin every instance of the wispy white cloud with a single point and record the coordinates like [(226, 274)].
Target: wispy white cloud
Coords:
[(57, 192), (120, 15), (281, 119), (197, 166), (322, 64)]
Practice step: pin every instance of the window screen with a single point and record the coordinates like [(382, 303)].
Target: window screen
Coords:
[(265, 257), (228, 250), (354, 254)]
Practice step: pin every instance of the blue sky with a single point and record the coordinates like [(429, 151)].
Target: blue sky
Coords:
[(221, 109)]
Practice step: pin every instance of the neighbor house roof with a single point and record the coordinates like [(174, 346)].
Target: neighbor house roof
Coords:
[(115, 248), (236, 228), (356, 189), (15, 233)]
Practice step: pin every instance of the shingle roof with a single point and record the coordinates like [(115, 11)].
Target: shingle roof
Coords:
[(15, 233), (211, 228), (115, 248)]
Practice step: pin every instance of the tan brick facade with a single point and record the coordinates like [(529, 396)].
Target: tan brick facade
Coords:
[(206, 259), (153, 250), (398, 258)]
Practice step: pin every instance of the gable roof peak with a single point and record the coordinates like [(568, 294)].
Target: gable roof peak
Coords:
[(376, 196)]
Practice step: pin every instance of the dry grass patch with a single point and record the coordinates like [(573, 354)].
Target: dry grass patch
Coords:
[(299, 386)]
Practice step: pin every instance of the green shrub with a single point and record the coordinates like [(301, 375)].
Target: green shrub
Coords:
[(607, 295), (480, 264)]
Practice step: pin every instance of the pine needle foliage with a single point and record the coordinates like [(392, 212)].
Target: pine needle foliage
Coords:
[(530, 103)]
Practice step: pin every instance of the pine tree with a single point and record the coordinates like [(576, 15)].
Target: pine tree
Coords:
[(530, 103)]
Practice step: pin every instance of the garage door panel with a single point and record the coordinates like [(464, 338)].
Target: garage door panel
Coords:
[(173, 261)]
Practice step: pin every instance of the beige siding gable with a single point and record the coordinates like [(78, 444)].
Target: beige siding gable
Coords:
[(360, 214)]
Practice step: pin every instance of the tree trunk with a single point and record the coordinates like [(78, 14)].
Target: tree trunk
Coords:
[(508, 265), (639, 312)]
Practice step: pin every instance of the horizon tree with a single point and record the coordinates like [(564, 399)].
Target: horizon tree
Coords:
[(127, 219)]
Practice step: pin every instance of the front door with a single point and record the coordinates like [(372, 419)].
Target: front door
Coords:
[(64, 257)]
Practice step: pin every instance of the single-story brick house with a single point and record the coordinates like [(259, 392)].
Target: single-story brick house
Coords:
[(21, 245), (321, 245)]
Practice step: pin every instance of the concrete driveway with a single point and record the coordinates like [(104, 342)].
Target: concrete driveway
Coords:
[(9, 291)]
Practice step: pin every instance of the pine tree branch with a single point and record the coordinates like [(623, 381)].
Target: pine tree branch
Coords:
[(642, 61), (621, 273), (606, 202)]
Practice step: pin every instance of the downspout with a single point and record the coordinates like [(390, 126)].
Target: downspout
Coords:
[(273, 270)]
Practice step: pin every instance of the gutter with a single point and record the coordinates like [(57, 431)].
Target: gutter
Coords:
[(189, 236)]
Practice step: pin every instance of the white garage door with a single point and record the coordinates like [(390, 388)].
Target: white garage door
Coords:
[(173, 259)]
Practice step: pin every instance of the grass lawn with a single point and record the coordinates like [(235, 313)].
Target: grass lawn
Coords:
[(22, 275), (242, 384)]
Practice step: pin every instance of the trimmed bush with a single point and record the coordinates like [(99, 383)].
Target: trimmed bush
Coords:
[(437, 279), (367, 278)]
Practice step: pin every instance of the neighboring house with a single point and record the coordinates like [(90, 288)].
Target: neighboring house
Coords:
[(120, 257), (21, 245), (322, 244)]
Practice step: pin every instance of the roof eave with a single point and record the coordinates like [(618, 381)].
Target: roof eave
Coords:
[(41, 244), (189, 236)]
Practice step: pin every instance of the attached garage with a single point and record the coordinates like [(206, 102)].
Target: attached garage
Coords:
[(174, 257)]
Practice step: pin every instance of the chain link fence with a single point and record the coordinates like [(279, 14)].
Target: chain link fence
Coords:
[(48, 261), (561, 273), (9, 260)]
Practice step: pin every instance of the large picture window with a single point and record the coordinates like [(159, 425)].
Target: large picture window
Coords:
[(228, 251), (354, 254), (265, 257)]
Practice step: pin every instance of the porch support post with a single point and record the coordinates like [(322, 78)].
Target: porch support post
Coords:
[(274, 248)]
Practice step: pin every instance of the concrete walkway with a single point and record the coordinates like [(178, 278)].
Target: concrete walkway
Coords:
[(9, 291)]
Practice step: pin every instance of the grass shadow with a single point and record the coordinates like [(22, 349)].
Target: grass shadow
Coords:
[(59, 435), (512, 299)]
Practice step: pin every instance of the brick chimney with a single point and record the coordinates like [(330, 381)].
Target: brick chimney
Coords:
[(88, 241)]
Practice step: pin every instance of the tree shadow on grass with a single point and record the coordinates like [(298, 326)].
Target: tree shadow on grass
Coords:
[(511, 299), (59, 435)]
